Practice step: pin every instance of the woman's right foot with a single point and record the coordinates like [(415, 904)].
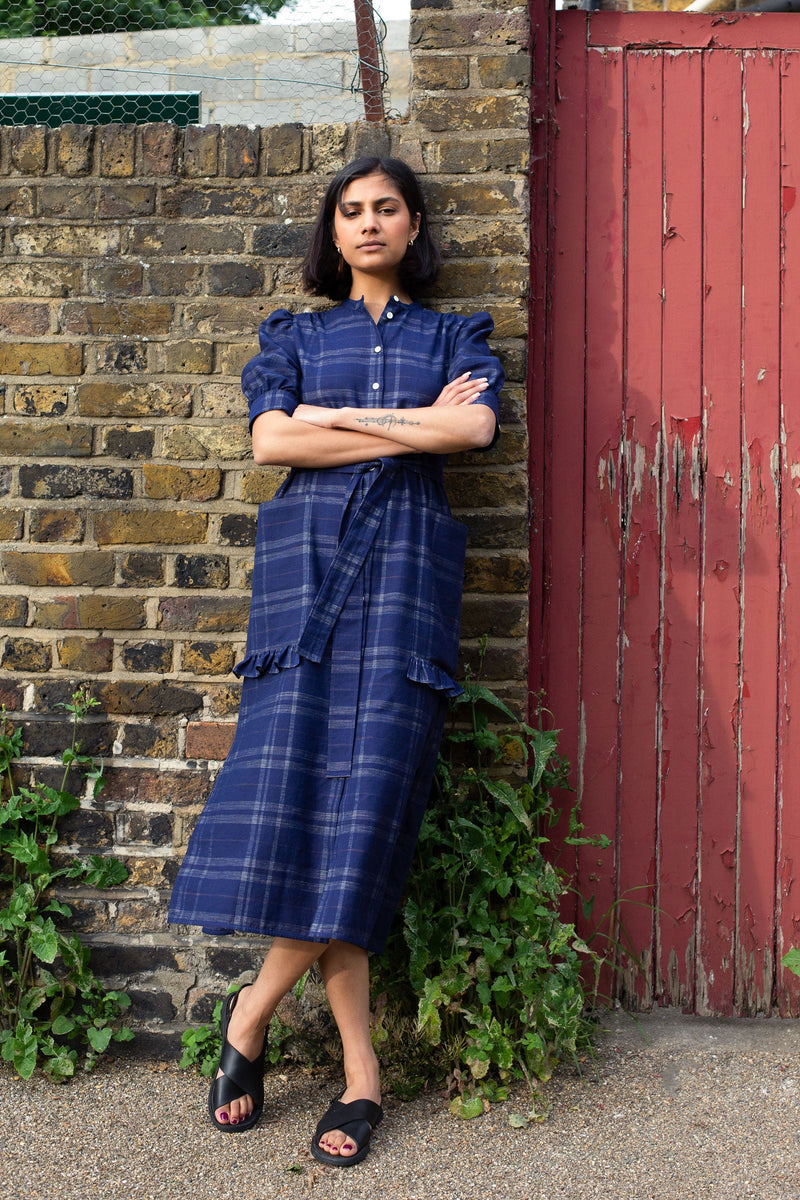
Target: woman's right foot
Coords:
[(246, 1034)]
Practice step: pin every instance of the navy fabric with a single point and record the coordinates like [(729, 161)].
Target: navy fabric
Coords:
[(351, 647)]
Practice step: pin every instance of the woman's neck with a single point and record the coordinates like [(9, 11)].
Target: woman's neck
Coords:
[(376, 293)]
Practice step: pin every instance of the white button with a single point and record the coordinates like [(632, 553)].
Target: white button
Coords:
[(396, 299), (378, 349), (389, 316), (375, 387)]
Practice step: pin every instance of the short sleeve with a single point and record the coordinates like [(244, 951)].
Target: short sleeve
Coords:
[(471, 353), (271, 380)]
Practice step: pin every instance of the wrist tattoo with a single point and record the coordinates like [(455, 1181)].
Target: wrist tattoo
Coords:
[(388, 421)]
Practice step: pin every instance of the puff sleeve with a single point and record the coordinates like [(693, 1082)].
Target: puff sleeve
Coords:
[(471, 353), (272, 380)]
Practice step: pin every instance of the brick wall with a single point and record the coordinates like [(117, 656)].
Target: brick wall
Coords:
[(136, 265)]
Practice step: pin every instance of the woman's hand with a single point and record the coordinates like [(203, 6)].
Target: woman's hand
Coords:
[(316, 414), (463, 390)]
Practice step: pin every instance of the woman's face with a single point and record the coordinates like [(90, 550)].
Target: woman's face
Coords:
[(372, 226)]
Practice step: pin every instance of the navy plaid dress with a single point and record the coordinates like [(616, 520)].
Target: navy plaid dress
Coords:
[(351, 647)]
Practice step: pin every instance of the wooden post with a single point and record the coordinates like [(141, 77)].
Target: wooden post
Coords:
[(369, 61)]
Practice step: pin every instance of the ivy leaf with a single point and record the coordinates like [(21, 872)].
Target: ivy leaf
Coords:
[(791, 960), (43, 941), (99, 1038), (467, 1107)]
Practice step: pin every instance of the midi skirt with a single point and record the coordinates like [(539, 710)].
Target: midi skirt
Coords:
[(311, 825)]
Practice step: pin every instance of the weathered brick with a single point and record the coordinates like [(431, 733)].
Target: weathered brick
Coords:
[(150, 741), (126, 200), (24, 654), (201, 571), (129, 317), (128, 441), (90, 612), (496, 530), (74, 149), (208, 658), (29, 149), (440, 30), (13, 611), (505, 70), (16, 201), (35, 400), (472, 198), (138, 917), (33, 568), (180, 789), (279, 240), (94, 655), (503, 277), (200, 150), (123, 358), (105, 399), (207, 441), (207, 614), (239, 151), (54, 279), (499, 661), (22, 438), (499, 616), (57, 525), (146, 525), (230, 317), (12, 524), (71, 241), (480, 112), (175, 279), (221, 401), (168, 482), (115, 145), (142, 569), (223, 700), (232, 279), (158, 150), (441, 71), (108, 483), (483, 238), (184, 237), (25, 319), (209, 739), (40, 358), (219, 200), (147, 656), (153, 829), (157, 699), (188, 357), (73, 200), (497, 573), (116, 279), (261, 485), (281, 149), (12, 696), (45, 735), (485, 490), (237, 529)]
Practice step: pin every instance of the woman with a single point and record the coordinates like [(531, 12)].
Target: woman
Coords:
[(353, 636)]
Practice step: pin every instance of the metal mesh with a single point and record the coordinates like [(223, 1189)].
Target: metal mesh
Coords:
[(189, 61)]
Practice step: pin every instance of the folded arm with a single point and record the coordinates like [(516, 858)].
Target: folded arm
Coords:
[(283, 441), (454, 422)]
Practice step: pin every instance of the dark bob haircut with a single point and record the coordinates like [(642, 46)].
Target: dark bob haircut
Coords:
[(325, 273)]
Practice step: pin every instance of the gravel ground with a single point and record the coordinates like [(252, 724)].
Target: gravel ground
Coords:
[(674, 1108)]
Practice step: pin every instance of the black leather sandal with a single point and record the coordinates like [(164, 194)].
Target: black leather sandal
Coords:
[(240, 1076), (357, 1120)]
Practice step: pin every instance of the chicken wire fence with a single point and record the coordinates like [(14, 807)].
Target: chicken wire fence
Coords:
[(199, 61)]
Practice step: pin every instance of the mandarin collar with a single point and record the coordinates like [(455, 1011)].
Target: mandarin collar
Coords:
[(394, 305)]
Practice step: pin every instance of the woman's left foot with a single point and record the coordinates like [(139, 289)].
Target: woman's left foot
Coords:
[(343, 1135)]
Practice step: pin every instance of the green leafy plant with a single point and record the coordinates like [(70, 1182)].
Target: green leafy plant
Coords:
[(791, 960), (53, 1011), (483, 954)]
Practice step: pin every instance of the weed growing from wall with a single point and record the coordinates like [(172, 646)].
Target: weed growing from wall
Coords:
[(53, 1011)]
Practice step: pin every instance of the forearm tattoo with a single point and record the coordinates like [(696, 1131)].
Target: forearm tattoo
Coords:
[(387, 421)]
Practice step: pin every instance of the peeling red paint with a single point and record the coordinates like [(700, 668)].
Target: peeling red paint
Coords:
[(789, 198)]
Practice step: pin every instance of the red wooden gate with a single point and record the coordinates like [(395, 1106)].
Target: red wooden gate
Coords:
[(666, 467)]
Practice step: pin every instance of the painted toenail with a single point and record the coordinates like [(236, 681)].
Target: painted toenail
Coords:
[(223, 1117)]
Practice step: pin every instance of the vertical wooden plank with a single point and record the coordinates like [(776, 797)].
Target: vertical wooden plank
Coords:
[(761, 533), (722, 217), (682, 398), (788, 849), (603, 552), (563, 496), (639, 699)]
